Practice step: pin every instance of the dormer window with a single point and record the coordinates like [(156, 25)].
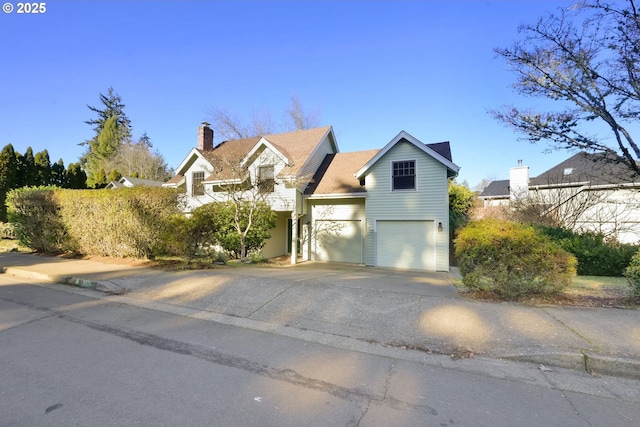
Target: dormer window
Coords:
[(404, 175), (266, 181), (197, 188)]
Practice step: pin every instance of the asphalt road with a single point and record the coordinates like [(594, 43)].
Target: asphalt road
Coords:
[(69, 359)]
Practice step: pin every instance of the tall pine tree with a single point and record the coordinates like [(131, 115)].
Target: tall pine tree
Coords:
[(42, 168), (58, 174), (8, 177), (27, 174), (112, 106)]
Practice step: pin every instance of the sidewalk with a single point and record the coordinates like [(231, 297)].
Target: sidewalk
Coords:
[(412, 310)]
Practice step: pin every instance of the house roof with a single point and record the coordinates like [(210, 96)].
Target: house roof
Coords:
[(440, 152), (583, 168), (175, 180), (498, 188), (296, 146), (336, 174), (225, 157), (442, 148), (141, 182), (587, 169), (134, 182)]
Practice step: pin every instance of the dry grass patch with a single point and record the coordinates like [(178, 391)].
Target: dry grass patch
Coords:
[(585, 291)]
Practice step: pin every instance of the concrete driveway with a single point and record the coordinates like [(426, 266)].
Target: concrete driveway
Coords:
[(415, 310)]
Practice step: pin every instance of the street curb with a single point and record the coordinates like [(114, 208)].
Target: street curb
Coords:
[(580, 360), (104, 286), (592, 363)]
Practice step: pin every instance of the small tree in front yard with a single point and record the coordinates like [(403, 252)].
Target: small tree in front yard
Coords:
[(241, 227), (511, 260)]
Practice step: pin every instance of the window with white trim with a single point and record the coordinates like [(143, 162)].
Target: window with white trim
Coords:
[(197, 188), (266, 179), (403, 175)]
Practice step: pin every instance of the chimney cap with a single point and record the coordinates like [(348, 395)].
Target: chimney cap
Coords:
[(206, 124), (519, 162)]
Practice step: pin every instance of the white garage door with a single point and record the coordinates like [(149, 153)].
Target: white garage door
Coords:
[(339, 241), (406, 244)]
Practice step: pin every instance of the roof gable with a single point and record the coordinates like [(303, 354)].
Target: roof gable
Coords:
[(193, 155), (298, 146), (439, 155)]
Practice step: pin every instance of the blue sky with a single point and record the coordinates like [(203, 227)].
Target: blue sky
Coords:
[(372, 69)]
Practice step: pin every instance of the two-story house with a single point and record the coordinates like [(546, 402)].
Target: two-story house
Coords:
[(386, 207)]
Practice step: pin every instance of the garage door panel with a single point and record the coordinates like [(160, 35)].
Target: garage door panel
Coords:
[(339, 240), (405, 244)]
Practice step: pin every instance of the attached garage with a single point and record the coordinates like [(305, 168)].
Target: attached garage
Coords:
[(338, 240), (405, 244)]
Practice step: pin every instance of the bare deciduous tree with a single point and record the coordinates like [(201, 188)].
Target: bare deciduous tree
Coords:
[(578, 208), (230, 125), (586, 59)]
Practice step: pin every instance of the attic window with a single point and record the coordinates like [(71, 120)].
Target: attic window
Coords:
[(197, 188), (266, 179), (568, 171), (404, 175)]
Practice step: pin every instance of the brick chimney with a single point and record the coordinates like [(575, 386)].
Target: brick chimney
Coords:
[(205, 137)]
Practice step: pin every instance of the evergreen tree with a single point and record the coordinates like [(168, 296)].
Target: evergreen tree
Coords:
[(8, 176), (112, 106), (27, 174), (97, 180), (58, 174), (76, 177), (101, 151), (114, 175), (42, 168)]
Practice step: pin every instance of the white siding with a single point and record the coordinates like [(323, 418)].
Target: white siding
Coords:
[(429, 202), (192, 202)]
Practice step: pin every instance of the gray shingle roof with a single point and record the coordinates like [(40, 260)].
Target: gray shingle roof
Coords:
[(588, 168), (496, 189)]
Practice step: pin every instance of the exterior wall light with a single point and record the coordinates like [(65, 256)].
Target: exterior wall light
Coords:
[(440, 228)]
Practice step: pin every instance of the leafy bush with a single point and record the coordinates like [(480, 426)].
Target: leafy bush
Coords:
[(596, 255), (632, 274), (227, 217), (7, 230), (35, 215), (127, 222), (511, 259)]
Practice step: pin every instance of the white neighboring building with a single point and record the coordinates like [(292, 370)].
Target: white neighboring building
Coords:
[(590, 191)]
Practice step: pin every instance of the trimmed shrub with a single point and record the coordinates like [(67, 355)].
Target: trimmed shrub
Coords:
[(632, 273), (130, 222), (511, 259), (35, 215), (7, 230), (596, 255)]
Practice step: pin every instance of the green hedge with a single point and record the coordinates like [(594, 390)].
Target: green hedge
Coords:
[(632, 273), (130, 222), (511, 259), (596, 255)]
